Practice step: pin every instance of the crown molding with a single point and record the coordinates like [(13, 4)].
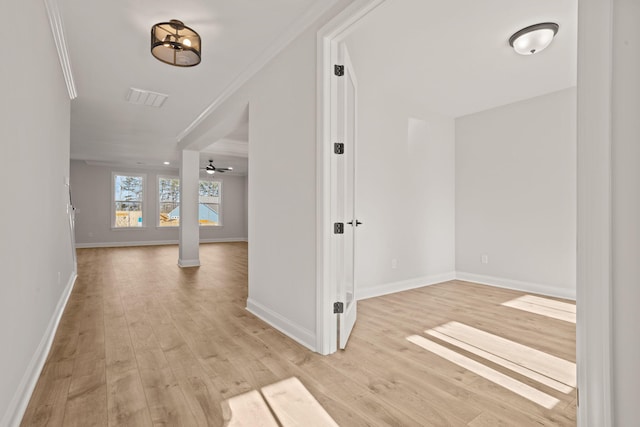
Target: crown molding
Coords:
[(314, 13), (57, 28)]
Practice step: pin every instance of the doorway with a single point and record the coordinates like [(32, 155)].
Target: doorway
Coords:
[(338, 31)]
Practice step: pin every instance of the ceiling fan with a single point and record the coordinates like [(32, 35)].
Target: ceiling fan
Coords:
[(210, 169)]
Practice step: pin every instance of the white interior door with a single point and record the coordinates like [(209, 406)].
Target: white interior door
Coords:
[(345, 188)]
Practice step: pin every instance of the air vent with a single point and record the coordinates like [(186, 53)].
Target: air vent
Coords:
[(145, 97)]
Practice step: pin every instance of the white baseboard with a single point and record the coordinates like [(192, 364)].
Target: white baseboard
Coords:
[(154, 243), (518, 285), (225, 240), (404, 285), (124, 244), (185, 263), (297, 333), (18, 405)]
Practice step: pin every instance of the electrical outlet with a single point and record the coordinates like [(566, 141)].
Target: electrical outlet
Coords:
[(485, 259), (394, 263)]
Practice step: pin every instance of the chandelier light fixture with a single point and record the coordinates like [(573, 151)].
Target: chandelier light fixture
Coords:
[(176, 44), (534, 38)]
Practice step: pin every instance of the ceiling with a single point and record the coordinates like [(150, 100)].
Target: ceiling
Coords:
[(452, 54), (109, 47)]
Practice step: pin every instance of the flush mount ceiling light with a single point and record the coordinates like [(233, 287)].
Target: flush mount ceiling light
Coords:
[(176, 44), (534, 38)]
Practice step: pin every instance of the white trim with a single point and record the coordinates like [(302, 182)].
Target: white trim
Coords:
[(57, 28), (328, 36), (156, 242), (403, 285), (225, 240), (220, 201), (594, 326), (325, 294), (294, 30), (187, 263), (18, 406), (144, 201), (158, 178), (296, 332), (518, 285), (125, 244)]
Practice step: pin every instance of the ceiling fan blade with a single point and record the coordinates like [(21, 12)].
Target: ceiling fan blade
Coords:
[(224, 169)]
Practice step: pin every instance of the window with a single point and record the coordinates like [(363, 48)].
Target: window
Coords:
[(210, 198), (128, 196), (169, 202)]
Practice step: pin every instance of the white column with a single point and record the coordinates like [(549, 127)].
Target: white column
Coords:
[(594, 323), (625, 219), (189, 224)]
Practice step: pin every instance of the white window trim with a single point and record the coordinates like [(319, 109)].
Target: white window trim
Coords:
[(158, 178), (113, 197), (220, 218)]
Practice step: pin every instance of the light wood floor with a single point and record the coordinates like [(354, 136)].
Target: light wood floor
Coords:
[(143, 342)]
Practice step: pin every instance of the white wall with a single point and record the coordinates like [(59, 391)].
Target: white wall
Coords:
[(282, 191), (405, 191), (36, 257), (516, 195), (281, 184), (91, 187), (626, 211)]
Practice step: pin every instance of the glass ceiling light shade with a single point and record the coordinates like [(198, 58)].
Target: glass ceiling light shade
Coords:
[(176, 44), (533, 39)]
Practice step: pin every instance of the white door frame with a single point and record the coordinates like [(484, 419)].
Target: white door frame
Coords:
[(594, 199), (328, 38)]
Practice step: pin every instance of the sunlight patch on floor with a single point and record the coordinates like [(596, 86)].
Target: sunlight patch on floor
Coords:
[(520, 388), (286, 403), (538, 361), (248, 409), (544, 368), (542, 379), (545, 307)]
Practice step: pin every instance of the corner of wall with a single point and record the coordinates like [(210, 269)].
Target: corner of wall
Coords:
[(404, 285), (294, 331), (517, 285)]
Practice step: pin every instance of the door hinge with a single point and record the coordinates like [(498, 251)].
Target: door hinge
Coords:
[(338, 148), (338, 307), (338, 228), (338, 70)]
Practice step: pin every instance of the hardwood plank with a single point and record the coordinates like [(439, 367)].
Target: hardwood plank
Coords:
[(164, 397), (543, 310), (248, 410), (506, 381), (48, 408), (87, 399), (143, 342), (544, 363), (294, 406)]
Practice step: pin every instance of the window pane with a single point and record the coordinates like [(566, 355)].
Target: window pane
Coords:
[(128, 214), (169, 197), (209, 198), (128, 196), (129, 188)]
